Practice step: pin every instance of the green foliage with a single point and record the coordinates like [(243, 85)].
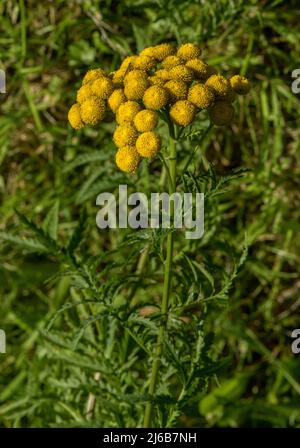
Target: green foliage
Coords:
[(71, 295)]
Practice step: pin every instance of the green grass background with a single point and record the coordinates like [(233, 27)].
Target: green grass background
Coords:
[(247, 264)]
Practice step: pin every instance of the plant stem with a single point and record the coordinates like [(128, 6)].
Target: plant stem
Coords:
[(166, 288)]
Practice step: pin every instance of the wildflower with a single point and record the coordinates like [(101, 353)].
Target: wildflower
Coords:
[(177, 89), (189, 51), (74, 117), (144, 63), (116, 99), (171, 61), (155, 80), (163, 74), (84, 93), (145, 120), (148, 144), (182, 73), (161, 51), (127, 63), (183, 112), (91, 75), (135, 89), (127, 159), (102, 87), (240, 84), (92, 110), (125, 135), (201, 96), (155, 97), (135, 74), (202, 70), (127, 111), (148, 51), (221, 113), (118, 78), (220, 85)]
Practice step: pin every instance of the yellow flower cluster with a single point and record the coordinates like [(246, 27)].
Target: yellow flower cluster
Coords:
[(162, 77)]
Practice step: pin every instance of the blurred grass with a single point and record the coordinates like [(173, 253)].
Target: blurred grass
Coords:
[(45, 48)]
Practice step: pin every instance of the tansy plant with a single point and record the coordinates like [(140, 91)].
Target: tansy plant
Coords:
[(160, 84)]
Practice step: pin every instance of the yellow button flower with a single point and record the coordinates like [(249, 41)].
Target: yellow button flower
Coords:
[(155, 80), (128, 62), (145, 120), (202, 70), (127, 111), (189, 51), (144, 63), (84, 93), (118, 78), (135, 75), (102, 87), (163, 74), (116, 99), (177, 89), (135, 89), (92, 110), (148, 144), (183, 112), (220, 85), (91, 75), (127, 159), (201, 96), (161, 51), (125, 135), (182, 73), (221, 113), (171, 61), (148, 51), (240, 84), (156, 97), (74, 117)]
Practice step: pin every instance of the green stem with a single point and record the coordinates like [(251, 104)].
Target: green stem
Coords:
[(166, 289)]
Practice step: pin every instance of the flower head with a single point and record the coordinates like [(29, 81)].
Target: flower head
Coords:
[(92, 110), (135, 89), (102, 87), (127, 159), (182, 73), (221, 113), (145, 120), (84, 93), (177, 89), (201, 96), (118, 78), (125, 135), (127, 63), (220, 85), (116, 99), (183, 112), (171, 61), (155, 97), (163, 74), (161, 51), (155, 80), (148, 51), (74, 117), (91, 75), (240, 84), (144, 62), (135, 74), (148, 144), (127, 111), (202, 70), (189, 51)]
